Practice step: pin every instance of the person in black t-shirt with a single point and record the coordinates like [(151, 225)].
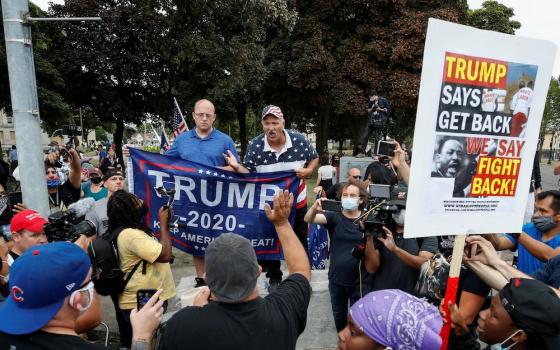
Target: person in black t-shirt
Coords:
[(471, 298), (64, 194), (229, 313), (395, 260), (344, 270)]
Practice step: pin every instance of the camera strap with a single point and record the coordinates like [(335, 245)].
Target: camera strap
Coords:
[(129, 276)]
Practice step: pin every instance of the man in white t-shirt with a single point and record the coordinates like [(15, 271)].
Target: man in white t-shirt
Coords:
[(519, 106), (489, 98)]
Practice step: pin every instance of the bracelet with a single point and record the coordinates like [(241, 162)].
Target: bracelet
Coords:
[(140, 344)]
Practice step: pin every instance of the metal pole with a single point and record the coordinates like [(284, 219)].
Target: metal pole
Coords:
[(25, 106), (59, 19)]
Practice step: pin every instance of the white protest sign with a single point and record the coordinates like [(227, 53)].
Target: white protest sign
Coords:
[(481, 100)]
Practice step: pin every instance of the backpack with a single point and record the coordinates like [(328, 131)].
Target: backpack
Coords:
[(107, 275)]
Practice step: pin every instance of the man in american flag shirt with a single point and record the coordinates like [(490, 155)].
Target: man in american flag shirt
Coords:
[(280, 149)]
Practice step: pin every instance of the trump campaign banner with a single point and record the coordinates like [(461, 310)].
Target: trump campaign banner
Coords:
[(481, 101), (209, 201)]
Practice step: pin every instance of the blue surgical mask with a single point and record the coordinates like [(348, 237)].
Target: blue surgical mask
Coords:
[(543, 223), (51, 183), (349, 204), (501, 346)]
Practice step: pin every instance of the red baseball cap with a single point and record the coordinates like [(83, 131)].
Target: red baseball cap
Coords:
[(27, 220)]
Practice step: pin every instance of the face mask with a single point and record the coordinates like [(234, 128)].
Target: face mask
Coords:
[(349, 204), (543, 223), (95, 180), (501, 345), (399, 217), (89, 289), (51, 183)]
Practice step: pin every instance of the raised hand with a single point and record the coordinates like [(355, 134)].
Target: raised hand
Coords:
[(282, 202)]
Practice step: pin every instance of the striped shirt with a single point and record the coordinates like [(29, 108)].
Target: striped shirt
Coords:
[(296, 153)]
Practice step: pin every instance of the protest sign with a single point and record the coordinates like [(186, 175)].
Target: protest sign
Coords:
[(481, 100), (210, 201)]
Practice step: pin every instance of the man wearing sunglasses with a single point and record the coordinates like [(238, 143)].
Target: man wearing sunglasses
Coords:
[(50, 288), (354, 174)]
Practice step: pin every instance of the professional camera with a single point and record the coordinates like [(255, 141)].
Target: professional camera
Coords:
[(381, 207), (69, 225)]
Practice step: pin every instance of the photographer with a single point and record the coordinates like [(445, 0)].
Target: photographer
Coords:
[(345, 273), (62, 194), (378, 109), (395, 260), (141, 255)]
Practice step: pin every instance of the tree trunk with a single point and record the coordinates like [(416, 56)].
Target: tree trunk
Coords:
[(323, 129), (241, 109), (118, 139)]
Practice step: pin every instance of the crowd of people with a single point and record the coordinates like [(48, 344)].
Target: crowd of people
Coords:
[(386, 291)]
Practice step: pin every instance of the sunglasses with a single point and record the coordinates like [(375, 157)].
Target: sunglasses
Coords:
[(357, 177)]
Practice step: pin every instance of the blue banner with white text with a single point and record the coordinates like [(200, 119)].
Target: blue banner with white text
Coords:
[(210, 201)]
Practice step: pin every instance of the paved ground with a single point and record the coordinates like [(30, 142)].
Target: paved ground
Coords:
[(320, 332)]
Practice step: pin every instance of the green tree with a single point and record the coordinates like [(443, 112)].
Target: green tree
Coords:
[(340, 50), (493, 16), (114, 67), (551, 116)]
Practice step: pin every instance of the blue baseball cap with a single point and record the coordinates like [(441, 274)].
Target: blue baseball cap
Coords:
[(40, 280)]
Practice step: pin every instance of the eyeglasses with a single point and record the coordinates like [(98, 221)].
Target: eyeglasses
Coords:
[(51, 172), (357, 177), (202, 115)]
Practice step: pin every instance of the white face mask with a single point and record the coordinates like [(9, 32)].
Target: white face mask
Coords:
[(399, 217), (500, 346), (87, 288)]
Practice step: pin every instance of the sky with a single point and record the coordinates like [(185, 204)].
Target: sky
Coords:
[(539, 19)]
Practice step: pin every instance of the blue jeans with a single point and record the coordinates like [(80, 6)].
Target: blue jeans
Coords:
[(340, 296)]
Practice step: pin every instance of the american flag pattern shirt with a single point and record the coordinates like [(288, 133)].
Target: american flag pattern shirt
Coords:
[(296, 153)]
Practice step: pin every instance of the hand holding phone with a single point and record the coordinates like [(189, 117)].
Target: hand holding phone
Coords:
[(386, 148), (143, 296)]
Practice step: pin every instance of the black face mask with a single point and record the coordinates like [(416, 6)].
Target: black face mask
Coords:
[(95, 180)]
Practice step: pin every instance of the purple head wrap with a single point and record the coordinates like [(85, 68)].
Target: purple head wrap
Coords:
[(394, 318)]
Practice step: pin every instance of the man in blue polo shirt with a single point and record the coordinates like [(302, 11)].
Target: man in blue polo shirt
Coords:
[(203, 144), (539, 240), (206, 145)]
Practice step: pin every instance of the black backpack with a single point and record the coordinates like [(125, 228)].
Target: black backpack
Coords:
[(104, 256)]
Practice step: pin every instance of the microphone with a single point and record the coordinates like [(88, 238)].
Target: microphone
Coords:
[(81, 207), (178, 225)]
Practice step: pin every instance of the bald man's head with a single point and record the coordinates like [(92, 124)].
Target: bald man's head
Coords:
[(354, 173), (204, 115), (204, 103)]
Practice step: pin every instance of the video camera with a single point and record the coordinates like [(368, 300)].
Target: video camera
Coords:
[(383, 203), (69, 225)]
